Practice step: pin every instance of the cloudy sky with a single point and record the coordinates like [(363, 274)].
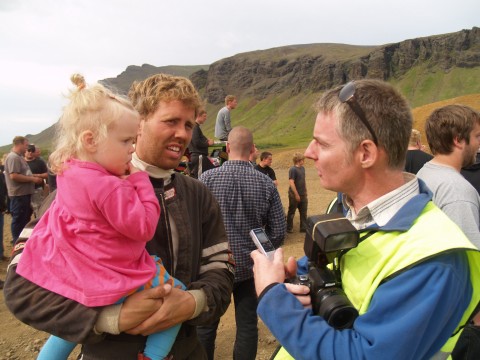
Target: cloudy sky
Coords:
[(43, 42)]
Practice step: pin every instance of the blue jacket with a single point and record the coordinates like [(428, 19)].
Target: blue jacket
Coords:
[(402, 320)]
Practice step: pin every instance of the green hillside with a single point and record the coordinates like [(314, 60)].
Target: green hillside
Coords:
[(423, 85), (282, 120), (286, 121), (277, 122)]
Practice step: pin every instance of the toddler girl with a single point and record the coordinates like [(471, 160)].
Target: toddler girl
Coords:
[(90, 244)]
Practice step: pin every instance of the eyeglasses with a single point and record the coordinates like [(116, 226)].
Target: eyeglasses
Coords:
[(347, 95), (30, 150)]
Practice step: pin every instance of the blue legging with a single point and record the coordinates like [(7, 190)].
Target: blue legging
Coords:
[(158, 345)]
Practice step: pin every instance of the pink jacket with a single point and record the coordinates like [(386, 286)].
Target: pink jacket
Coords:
[(90, 244)]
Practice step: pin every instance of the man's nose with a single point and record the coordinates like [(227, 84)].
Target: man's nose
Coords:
[(181, 132), (309, 153)]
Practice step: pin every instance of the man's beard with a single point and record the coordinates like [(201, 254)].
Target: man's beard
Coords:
[(469, 158)]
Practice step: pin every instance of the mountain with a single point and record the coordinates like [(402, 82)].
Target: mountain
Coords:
[(315, 68), (119, 84), (277, 87), (132, 73)]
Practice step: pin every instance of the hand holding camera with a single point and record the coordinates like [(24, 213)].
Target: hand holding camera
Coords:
[(326, 237)]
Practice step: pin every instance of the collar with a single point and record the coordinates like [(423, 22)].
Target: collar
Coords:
[(394, 211), (238, 163), (152, 171)]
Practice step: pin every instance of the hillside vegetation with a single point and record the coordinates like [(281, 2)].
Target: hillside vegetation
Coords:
[(286, 124), (277, 87)]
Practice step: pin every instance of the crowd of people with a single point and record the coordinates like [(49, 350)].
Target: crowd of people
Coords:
[(134, 260)]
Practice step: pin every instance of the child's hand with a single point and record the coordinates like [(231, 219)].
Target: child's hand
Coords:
[(132, 169), (129, 170)]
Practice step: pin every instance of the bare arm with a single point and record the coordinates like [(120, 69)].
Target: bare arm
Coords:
[(294, 189), (44, 176), (25, 178)]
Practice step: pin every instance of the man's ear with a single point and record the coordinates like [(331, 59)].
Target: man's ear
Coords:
[(228, 147), (368, 153), (88, 141), (457, 143)]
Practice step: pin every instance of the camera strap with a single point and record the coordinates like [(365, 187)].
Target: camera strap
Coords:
[(367, 235), (362, 238), (338, 257)]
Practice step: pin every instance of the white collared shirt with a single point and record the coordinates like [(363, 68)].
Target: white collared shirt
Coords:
[(152, 170), (380, 211)]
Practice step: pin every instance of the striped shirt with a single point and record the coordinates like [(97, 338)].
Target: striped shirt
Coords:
[(248, 199), (380, 211)]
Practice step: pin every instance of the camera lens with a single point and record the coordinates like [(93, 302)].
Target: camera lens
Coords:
[(336, 309)]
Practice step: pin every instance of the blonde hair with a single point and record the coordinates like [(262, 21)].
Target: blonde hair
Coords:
[(297, 157), (92, 108), (229, 99), (415, 137), (146, 95)]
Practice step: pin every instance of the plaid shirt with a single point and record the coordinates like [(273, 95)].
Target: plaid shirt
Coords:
[(248, 199)]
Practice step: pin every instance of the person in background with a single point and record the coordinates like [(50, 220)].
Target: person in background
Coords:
[(472, 173), (253, 156), (265, 166), (3, 208), (190, 239), (38, 153), (297, 193), (223, 124), (39, 168), (2, 167), (248, 200), (20, 185), (198, 147), (414, 276), (453, 134), (52, 181), (416, 157)]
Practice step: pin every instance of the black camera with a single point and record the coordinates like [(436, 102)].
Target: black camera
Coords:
[(327, 236)]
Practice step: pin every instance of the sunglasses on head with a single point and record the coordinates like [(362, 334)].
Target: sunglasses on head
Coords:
[(347, 95)]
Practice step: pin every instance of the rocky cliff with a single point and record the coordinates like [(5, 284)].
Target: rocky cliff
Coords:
[(313, 68)]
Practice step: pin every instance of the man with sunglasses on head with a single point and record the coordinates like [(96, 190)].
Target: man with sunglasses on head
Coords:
[(414, 277)]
